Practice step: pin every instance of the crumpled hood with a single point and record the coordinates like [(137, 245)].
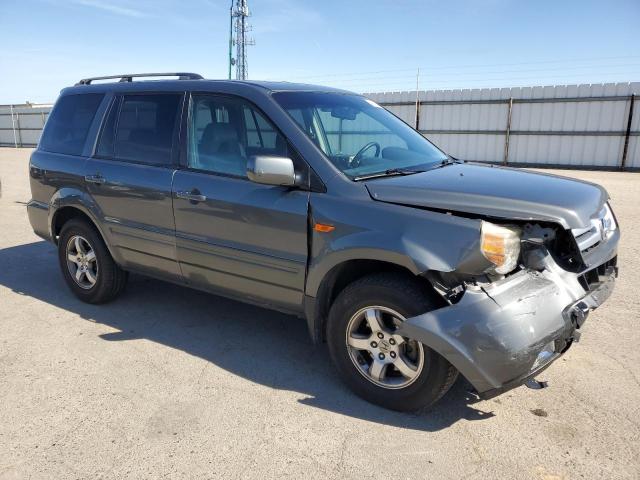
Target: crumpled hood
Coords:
[(496, 192)]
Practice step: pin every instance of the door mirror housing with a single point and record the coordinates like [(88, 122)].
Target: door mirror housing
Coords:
[(271, 170)]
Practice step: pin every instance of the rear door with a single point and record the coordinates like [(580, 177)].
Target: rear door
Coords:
[(129, 178), (233, 235)]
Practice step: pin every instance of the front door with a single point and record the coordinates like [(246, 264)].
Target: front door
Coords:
[(129, 178), (233, 235)]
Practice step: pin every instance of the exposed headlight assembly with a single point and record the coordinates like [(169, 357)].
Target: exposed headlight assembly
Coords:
[(501, 246), (608, 221)]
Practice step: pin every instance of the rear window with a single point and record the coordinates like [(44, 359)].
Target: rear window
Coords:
[(146, 127), (68, 125)]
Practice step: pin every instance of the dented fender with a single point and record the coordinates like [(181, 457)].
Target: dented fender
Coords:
[(418, 240)]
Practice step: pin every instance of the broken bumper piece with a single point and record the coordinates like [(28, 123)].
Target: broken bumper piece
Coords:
[(502, 335)]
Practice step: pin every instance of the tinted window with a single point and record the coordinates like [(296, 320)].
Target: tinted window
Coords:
[(105, 143), (68, 125), (225, 131), (203, 117), (146, 128)]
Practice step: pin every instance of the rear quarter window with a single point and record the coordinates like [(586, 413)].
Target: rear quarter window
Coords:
[(68, 126)]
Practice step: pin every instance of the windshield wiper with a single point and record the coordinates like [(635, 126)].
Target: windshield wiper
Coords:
[(391, 172), (445, 162)]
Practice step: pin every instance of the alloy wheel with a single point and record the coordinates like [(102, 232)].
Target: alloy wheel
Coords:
[(82, 262), (382, 356)]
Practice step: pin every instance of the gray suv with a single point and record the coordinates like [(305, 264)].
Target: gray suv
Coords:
[(411, 265)]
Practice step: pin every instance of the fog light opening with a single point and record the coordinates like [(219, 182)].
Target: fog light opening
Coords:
[(545, 355)]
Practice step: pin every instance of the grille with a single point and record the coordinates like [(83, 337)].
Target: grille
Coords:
[(594, 276), (591, 236)]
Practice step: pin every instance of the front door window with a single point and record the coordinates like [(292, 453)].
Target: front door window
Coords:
[(224, 132)]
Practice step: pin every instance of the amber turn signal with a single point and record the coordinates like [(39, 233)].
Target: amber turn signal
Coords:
[(501, 246), (323, 227)]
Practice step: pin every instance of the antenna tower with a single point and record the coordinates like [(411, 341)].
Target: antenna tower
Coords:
[(239, 15)]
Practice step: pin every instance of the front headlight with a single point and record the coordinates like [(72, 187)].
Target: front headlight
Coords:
[(501, 246), (608, 221)]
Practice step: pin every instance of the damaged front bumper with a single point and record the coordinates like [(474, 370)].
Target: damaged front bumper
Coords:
[(501, 335)]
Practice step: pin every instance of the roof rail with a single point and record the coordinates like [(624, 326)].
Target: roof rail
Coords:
[(128, 77)]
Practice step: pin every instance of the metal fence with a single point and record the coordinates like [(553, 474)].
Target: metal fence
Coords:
[(574, 126), (21, 125)]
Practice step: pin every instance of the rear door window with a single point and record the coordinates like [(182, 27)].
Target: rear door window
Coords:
[(146, 128), (68, 126)]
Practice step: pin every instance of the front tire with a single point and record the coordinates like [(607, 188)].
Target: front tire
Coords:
[(379, 365), (86, 264)]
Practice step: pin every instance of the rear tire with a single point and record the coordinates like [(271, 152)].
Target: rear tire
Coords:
[(86, 264), (399, 373)]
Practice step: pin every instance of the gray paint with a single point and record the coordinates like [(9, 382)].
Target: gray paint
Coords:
[(496, 192), (494, 334), (134, 204), (255, 242), (415, 239), (245, 237)]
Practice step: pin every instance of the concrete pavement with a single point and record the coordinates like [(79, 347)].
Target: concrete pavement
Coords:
[(167, 382)]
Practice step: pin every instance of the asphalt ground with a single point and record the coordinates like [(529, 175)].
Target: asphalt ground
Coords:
[(167, 382)]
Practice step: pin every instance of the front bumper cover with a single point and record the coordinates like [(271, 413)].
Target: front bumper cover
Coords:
[(495, 334)]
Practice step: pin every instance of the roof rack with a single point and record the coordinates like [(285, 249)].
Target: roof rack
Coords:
[(128, 77)]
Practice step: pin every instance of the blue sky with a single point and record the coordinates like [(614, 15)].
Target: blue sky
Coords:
[(365, 46)]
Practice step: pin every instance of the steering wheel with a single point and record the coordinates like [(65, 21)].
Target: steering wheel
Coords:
[(355, 161)]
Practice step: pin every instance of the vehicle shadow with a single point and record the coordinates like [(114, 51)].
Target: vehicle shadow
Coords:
[(266, 347)]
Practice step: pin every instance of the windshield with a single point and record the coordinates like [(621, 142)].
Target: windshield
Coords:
[(359, 136)]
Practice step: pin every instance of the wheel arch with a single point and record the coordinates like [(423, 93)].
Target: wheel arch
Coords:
[(338, 277), (63, 212), (63, 215)]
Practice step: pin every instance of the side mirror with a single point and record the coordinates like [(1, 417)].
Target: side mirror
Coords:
[(271, 170)]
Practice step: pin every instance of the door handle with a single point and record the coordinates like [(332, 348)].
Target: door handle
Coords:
[(193, 196), (97, 179)]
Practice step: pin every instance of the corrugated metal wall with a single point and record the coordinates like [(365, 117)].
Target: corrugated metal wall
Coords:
[(566, 125), (21, 125)]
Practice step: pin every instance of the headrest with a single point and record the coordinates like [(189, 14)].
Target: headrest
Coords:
[(142, 136), (224, 132), (215, 135), (220, 138)]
